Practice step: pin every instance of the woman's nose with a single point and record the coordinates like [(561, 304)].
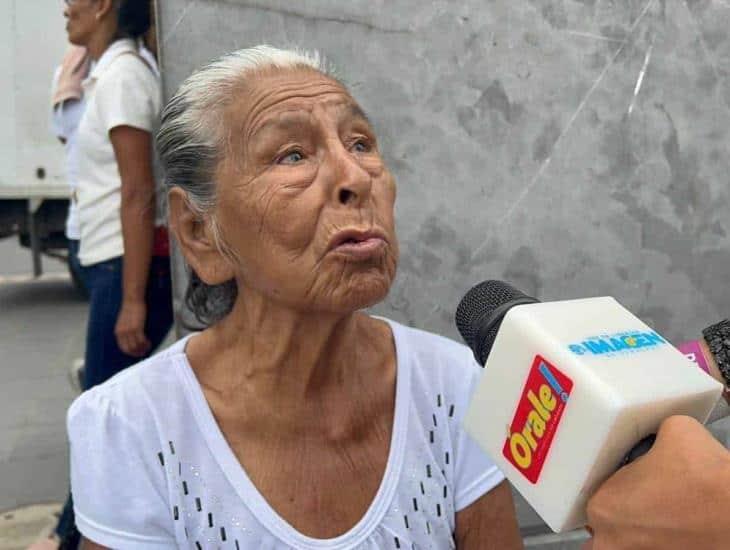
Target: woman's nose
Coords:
[(353, 184)]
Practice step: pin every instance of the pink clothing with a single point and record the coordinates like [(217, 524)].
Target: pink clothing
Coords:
[(73, 70)]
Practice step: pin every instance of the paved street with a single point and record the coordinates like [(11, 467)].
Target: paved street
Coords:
[(41, 331)]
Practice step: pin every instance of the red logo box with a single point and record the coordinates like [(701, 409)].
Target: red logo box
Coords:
[(537, 418)]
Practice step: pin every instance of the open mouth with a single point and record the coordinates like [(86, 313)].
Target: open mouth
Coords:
[(358, 244), (352, 241)]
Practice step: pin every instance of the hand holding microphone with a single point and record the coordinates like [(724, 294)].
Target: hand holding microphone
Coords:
[(676, 497)]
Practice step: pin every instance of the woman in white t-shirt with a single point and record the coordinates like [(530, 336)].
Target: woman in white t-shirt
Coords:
[(294, 420), (123, 249)]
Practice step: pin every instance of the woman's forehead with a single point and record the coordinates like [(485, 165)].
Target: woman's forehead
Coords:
[(290, 92), (294, 118)]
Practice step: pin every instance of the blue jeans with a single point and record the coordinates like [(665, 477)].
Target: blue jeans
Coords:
[(103, 357)]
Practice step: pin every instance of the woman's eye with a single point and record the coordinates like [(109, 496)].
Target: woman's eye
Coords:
[(291, 158), (361, 146)]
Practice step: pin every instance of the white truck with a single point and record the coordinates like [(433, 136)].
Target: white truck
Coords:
[(34, 194)]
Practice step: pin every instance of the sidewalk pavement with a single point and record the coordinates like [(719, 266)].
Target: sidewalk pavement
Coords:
[(42, 329), (42, 332), (23, 526)]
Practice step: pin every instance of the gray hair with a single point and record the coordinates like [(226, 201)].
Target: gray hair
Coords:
[(192, 141)]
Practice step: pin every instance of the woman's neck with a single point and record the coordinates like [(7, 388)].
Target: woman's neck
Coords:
[(282, 353), (99, 42)]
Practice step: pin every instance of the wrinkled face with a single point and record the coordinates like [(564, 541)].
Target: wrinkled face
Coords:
[(305, 202), (81, 20)]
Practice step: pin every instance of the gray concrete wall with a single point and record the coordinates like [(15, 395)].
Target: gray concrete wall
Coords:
[(573, 147)]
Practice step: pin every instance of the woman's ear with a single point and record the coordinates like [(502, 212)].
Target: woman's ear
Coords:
[(104, 8), (197, 241)]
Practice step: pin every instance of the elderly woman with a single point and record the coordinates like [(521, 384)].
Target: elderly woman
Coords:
[(294, 420)]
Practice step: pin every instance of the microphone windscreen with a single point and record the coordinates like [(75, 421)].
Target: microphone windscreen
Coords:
[(481, 311)]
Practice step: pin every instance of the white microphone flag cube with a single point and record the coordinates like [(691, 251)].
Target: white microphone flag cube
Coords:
[(568, 388)]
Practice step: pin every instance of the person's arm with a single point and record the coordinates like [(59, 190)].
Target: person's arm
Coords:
[(674, 497), (86, 544), (489, 523), (133, 151)]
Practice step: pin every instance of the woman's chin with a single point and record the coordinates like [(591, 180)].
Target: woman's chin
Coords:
[(363, 295), (75, 39)]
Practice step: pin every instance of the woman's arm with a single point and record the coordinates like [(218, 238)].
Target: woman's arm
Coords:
[(489, 523), (86, 544), (133, 151)]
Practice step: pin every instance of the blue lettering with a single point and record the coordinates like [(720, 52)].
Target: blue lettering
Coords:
[(598, 347), (654, 338), (577, 349), (618, 344), (640, 340)]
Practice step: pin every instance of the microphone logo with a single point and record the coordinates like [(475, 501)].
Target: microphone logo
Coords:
[(618, 343), (537, 418)]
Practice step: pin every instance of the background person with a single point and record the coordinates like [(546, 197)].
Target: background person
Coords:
[(124, 249)]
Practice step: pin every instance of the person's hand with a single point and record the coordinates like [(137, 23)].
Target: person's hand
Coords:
[(674, 497), (129, 329)]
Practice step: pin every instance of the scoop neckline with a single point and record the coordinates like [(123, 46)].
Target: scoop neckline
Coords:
[(250, 496)]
